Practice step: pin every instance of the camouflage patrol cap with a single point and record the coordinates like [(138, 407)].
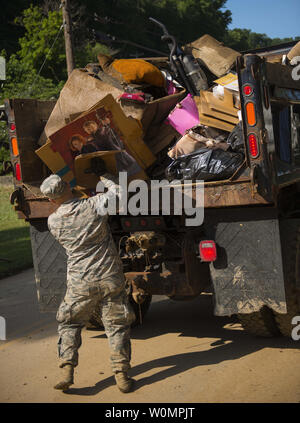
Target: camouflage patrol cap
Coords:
[(53, 187)]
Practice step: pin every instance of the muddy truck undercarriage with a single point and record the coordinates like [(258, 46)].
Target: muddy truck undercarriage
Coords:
[(252, 219)]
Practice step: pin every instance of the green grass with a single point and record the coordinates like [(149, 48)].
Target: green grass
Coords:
[(15, 243)]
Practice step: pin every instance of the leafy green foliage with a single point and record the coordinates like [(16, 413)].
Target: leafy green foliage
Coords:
[(15, 244), (22, 81), (10, 32), (43, 46), (244, 39), (43, 39), (4, 156), (187, 20)]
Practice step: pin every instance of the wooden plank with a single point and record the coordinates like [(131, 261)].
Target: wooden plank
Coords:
[(231, 195), (225, 106), (205, 109), (215, 123)]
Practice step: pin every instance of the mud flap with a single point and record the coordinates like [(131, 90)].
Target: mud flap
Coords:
[(248, 272), (50, 267)]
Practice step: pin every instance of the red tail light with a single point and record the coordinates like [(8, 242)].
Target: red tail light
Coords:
[(127, 223), (247, 90), (208, 250), (253, 146), (18, 172), (143, 222)]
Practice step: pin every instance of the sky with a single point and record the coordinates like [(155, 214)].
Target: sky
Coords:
[(276, 18)]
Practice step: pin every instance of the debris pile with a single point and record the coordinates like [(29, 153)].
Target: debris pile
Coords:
[(174, 118)]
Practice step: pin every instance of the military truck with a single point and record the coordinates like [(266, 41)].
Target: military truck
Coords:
[(247, 251)]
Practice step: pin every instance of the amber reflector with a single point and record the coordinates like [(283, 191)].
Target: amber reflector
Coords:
[(250, 110), (14, 146)]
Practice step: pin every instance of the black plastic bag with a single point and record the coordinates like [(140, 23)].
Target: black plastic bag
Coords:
[(236, 139), (205, 164)]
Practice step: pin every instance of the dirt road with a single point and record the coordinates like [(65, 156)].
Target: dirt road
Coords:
[(182, 353)]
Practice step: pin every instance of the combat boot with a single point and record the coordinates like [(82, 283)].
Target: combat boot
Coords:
[(124, 382), (67, 378)]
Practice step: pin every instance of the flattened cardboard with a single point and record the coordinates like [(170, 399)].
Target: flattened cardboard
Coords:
[(59, 155), (56, 163), (90, 180), (83, 90), (80, 92), (164, 137), (129, 127), (218, 58), (83, 162), (118, 132)]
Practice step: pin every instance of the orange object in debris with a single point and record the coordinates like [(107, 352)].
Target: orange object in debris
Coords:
[(139, 71)]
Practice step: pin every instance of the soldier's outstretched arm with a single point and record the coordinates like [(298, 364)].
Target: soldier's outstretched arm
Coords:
[(114, 191)]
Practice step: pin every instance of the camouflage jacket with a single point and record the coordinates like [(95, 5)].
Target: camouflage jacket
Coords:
[(81, 227)]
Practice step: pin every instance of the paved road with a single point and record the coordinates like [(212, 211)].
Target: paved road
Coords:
[(182, 353)]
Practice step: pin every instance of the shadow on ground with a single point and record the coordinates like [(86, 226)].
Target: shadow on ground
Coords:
[(193, 319)]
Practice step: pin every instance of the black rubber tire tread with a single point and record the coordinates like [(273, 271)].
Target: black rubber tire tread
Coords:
[(261, 323), (290, 242), (50, 266), (96, 321)]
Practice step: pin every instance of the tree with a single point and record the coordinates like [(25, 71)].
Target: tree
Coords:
[(185, 19), (10, 32), (22, 81), (43, 39), (43, 47), (244, 39)]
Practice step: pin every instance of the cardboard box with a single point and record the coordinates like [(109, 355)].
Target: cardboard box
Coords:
[(102, 129)]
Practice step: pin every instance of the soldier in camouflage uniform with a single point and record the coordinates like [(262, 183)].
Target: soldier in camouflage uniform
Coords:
[(94, 277)]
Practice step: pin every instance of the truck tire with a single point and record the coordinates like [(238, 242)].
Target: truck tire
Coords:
[(261, 323), (96, 321), (290, 243)]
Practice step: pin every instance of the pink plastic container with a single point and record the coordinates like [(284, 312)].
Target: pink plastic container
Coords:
[(185, 115)]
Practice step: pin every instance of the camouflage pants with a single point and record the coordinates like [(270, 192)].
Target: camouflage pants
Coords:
[(110, 298)]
